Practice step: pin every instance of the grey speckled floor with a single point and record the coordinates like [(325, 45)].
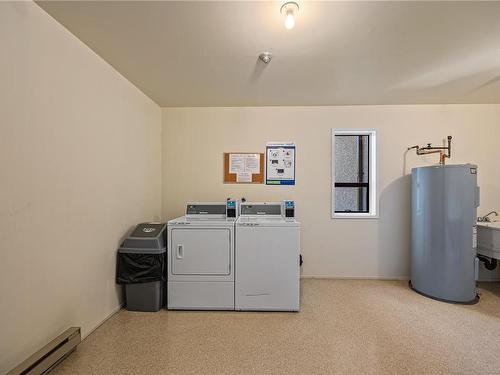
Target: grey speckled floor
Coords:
[(345, 327)]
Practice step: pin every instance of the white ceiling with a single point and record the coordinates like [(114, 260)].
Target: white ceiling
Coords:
[(205, 53)]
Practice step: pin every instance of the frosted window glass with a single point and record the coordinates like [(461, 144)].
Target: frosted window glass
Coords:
[(351, 199), (347, 158)]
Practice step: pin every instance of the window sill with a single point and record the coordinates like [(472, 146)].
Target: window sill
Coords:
[(354, 216)]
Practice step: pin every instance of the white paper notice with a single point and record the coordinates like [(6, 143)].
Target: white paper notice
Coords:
[(252, 163), (236, 163), (244, 177)]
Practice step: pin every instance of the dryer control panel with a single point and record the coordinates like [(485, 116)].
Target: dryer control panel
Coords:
[(289, 209), (206, 209)]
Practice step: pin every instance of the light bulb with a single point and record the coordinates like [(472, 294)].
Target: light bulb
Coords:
[(289, 10), (289, 21)]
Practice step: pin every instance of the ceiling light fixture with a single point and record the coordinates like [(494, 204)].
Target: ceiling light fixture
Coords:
[(289, 10)]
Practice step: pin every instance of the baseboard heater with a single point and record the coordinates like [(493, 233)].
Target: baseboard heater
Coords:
[(51, 354)]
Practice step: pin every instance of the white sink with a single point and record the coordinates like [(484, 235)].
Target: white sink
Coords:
[(488, 239)]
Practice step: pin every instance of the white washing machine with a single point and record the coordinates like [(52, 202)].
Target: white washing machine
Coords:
[(267, 257), (200, 259)]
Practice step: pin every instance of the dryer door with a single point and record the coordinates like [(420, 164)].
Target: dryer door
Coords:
[(198, 251)]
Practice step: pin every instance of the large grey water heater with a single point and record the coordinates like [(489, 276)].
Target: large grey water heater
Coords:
[(443, 245)]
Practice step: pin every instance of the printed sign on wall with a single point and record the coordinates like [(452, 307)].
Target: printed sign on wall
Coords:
[(280, 163)]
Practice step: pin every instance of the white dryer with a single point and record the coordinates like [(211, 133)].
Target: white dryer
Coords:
[(267, 257), (200, 257)]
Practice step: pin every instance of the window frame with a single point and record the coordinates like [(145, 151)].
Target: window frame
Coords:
[(373, 205)]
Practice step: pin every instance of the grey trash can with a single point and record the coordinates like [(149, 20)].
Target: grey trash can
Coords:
[(141, 267)]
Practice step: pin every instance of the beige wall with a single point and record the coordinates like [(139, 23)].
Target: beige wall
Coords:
[(194, 140), (80, 159)]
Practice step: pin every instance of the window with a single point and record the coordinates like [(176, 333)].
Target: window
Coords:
[(354, 173)]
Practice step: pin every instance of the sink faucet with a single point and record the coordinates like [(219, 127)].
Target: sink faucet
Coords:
[(486, 217)]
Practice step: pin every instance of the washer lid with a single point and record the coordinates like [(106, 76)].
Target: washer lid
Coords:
[(266, 221)]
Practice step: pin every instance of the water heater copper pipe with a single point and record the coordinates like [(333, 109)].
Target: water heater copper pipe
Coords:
[(444, 151)]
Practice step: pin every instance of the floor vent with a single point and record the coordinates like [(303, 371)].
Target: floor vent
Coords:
[(51, 354)]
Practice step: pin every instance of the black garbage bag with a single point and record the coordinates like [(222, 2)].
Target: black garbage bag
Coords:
[(136, 268)]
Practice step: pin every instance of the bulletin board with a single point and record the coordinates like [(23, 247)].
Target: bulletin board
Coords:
[(243, 168)]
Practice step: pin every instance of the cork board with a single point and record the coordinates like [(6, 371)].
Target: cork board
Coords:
[(231, 178)]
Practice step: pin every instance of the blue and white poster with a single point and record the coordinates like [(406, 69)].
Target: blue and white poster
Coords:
[(280, 163)]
